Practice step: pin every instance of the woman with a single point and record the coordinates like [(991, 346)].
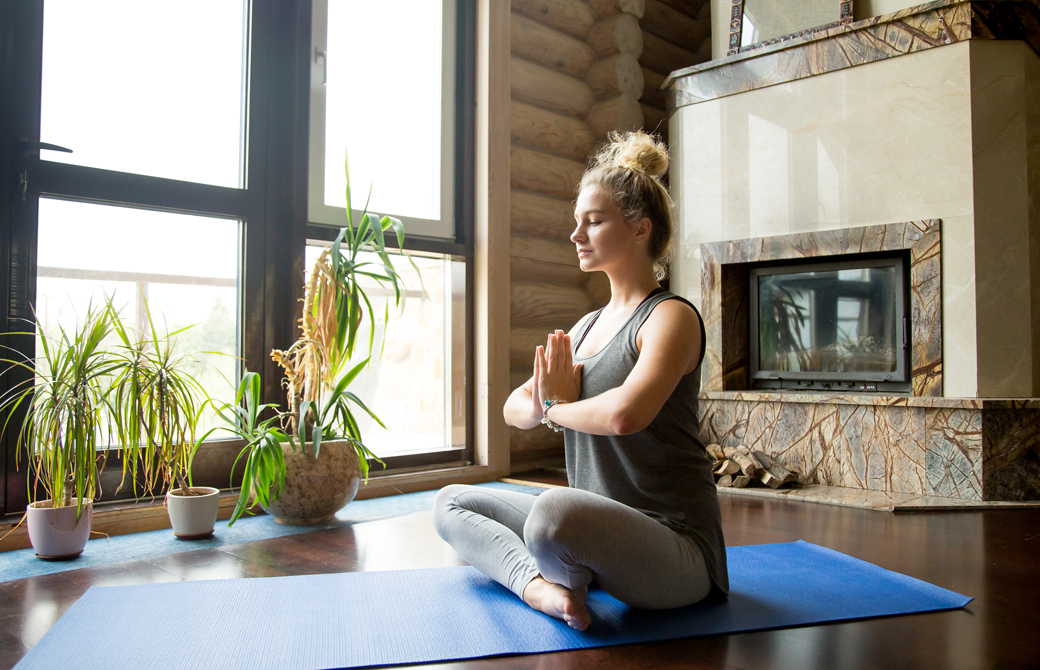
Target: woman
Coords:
[(641, 516)]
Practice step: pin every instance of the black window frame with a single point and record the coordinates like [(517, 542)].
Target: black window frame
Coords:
[(272, 206)]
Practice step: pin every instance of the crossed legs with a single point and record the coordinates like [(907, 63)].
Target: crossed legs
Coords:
[(547, 549)]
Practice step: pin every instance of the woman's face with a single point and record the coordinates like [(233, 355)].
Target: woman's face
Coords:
[(603, 238)]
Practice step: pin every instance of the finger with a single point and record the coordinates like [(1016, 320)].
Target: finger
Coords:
[(550, 353), (568, 353), (578, 367)]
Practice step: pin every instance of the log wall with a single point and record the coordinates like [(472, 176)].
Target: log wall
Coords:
[(575, 76), (676, 34), (579, 69)]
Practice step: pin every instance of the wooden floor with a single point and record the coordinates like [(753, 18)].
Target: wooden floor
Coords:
[(993, 556)]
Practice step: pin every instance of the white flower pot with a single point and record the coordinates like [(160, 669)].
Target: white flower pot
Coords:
[(54, 532), (193, 517)]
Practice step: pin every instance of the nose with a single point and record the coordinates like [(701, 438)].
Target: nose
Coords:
[(578, 234)]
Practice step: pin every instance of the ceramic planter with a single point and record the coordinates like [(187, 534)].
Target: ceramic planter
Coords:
[(193, 517), (54, 533), (316, 488)]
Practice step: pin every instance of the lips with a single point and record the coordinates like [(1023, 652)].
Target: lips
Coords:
[(582, 253)]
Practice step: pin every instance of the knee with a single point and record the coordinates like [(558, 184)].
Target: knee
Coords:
[(443, 503), (555, 520)]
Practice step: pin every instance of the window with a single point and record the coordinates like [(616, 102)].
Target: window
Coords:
[(383, 91), (189, 147)]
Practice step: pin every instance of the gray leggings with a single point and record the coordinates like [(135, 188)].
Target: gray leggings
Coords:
[(570, 537)]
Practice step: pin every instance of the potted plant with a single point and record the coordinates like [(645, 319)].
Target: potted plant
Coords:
[(317, 475), (66, 420), (156, 404)]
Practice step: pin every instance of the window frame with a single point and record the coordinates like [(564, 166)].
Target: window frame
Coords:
[(320, 213), (275, 226)]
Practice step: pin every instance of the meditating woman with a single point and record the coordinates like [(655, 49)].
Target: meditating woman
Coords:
[(641, 516)]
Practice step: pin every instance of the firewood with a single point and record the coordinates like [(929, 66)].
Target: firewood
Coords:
[(725, 480), (715, 452), (775, 470), (769, 480), (740, 481), (749, 465), (727, 467)]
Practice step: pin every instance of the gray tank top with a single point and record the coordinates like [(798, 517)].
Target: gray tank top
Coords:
[(663, 470)]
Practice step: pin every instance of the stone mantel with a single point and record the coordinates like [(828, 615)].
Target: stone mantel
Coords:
[(908, 31)]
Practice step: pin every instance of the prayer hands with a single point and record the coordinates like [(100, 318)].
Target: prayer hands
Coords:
[(556, 375)]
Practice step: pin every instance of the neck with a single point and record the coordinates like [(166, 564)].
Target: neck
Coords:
[(628, 286)]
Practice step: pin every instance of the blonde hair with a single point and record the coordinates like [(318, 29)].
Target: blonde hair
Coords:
[(630, 168)]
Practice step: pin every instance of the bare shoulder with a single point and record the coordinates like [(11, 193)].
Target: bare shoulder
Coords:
[(674, 314)]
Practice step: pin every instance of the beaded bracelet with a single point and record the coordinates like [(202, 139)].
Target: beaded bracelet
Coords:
[(545, 414)]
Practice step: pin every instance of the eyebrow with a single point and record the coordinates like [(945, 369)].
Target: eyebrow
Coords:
[(590, 211)]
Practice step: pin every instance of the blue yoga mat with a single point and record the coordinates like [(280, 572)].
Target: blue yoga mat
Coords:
[(415, 616)]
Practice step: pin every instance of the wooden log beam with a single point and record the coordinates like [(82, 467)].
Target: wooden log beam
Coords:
[(539, 438), (655, 120), (619, 34), (598, 287), (539, 260), (621, 112), (689, 7), (660, 55), (652, 93), (522, 344), (675, 26), (574, 17), (543, 173), (549, 47), (616, 75), (528, 269), (547, 306), (541, 216), (607, 8), (532, 83), (550, 132)]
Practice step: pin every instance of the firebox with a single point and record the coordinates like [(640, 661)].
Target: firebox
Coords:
[(831, 324)]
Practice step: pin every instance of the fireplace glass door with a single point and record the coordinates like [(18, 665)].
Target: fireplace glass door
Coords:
[(830, 326)]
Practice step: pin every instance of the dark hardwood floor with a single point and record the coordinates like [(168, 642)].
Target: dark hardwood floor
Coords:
[(993, 556)]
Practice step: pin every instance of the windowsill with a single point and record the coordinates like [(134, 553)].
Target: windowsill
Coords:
[(125, 517)]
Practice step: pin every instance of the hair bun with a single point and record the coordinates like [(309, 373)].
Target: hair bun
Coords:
[(636, 151)]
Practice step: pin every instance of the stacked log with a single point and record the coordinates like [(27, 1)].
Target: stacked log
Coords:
[(738, 467), (676, 34), (575, 76)]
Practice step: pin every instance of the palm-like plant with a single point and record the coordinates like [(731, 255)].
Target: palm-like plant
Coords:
[(156, 403), (334, 306), (67, 411)]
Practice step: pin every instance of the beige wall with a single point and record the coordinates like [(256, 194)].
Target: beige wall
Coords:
[(882, 143)]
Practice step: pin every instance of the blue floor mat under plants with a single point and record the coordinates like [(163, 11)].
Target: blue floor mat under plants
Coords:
[(22, 563), (358, 619)]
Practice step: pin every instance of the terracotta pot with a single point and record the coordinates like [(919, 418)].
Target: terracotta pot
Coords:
[(193, 517), (316, 488), (54, 532)]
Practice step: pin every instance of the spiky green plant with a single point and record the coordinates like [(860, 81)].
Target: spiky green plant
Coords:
[(156, 403), (67, 411), (265, 463)]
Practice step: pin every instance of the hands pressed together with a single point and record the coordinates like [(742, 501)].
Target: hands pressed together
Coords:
[(556, 375)]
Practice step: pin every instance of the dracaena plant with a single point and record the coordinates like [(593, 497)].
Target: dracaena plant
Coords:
[(332, 325), (156, 403), (67, 414)]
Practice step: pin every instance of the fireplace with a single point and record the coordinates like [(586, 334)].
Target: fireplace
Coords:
[(831, 324)]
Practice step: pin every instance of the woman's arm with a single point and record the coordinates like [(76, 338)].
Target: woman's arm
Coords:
[(670, 342), (523, 408)]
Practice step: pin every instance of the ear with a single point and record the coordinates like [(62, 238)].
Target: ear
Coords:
[(643, 228)]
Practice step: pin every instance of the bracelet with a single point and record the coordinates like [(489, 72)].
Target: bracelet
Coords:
[(545, 414)]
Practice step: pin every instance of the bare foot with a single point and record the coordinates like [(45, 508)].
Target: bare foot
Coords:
[(559, 601)]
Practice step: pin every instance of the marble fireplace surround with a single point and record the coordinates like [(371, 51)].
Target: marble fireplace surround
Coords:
[(919, 443), (724, 294)]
